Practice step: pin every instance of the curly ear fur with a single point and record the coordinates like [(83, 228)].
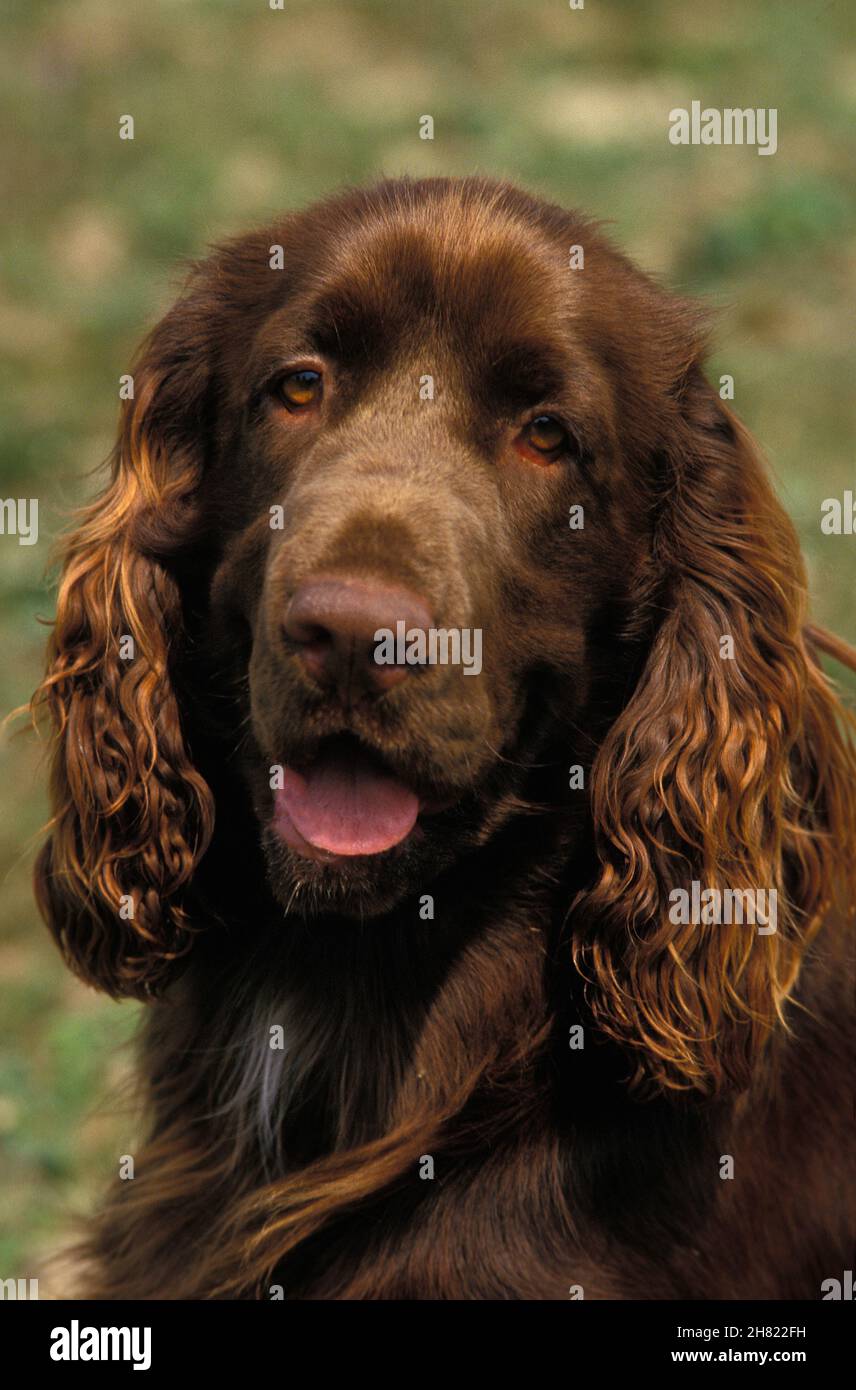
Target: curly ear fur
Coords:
[(733, 773), (131, 815)]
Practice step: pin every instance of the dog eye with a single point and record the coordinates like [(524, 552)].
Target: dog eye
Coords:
[(298, 390), (543, 439), (546, 435)]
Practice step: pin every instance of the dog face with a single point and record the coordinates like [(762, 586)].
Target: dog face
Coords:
[(443, 413), (423, 441)]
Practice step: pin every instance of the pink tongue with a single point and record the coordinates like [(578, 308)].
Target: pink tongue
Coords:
[(345, 804)]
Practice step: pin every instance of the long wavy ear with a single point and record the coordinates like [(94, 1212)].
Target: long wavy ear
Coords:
[(131, 816), (728, 769)]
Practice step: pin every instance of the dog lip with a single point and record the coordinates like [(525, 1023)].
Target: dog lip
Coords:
[(434, 795), (436, 805)]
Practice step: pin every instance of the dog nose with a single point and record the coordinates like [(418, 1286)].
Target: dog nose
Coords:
[(333, 620)]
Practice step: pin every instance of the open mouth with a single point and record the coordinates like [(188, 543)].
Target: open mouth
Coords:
[(343, 804)]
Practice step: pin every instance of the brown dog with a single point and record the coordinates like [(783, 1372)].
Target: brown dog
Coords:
[(511, 962)]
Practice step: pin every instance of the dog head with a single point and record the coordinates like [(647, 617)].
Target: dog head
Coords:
[(423, 499)]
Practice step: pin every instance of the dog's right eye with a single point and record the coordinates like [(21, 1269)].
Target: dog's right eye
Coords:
[(299, 390), (545, 434), (543, 440)]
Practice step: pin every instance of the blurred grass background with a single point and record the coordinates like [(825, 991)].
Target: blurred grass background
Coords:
[(241, 111)]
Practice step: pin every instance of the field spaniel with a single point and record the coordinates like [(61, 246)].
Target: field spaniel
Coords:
[(441, 750)]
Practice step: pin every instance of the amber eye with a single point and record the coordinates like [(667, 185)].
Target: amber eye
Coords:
[(298, 390), (546, 435)]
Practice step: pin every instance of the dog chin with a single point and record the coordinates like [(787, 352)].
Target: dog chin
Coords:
[(351, 886)]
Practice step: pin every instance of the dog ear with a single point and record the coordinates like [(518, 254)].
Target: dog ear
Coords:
[(727, 769), (131, 815)]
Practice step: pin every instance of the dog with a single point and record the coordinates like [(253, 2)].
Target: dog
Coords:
[(443, 1001)]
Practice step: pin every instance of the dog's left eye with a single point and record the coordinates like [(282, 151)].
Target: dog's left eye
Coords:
[(300, 389)]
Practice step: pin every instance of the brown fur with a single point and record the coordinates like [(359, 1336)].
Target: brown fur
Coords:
[(449, 1037)]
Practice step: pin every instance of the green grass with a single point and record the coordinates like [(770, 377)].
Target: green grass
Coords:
[(240, 112)]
